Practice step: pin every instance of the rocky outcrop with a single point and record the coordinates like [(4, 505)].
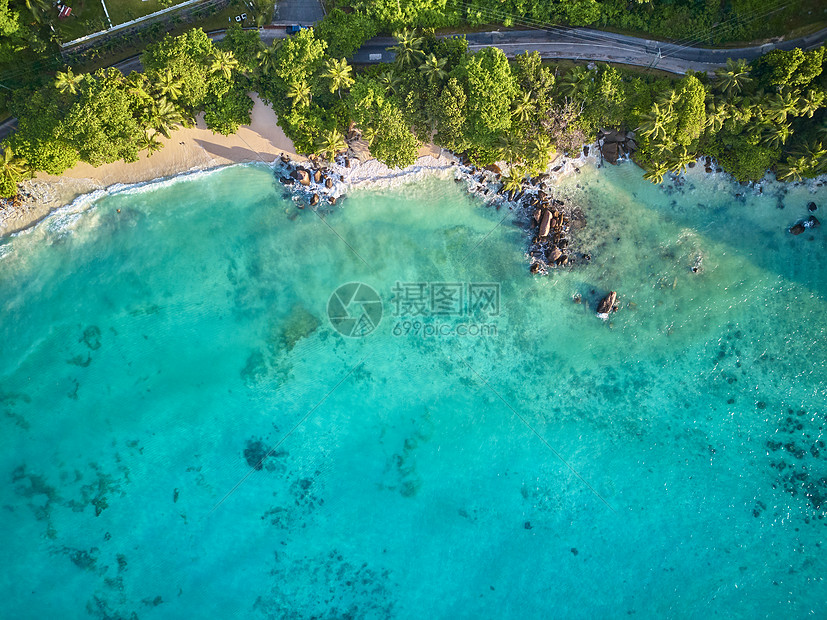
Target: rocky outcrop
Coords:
[(607, 305), (802, 225), (616, 144), (301, 175)]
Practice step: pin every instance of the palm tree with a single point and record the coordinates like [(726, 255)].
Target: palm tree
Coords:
[(330, 143), (656, 173), (667, 102), (733, 78), (339, 74), (508, 148), (540, 150), (513, 181), (38, 8), (167, 85), (266, 57), (790, 170), (408, 48), (224, 62), (150, 143), (813, 156), (810, 102), (12, 168), (716, 115), (433, 68), (300, 93), (780, 105), (680, 160), (390, 81), (369, 135), (653, 123), (776, 135), (574, 81), (524, 108), (166, 117), (67, 82)]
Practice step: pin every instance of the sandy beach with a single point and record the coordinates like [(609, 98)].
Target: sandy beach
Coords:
[(197, 148)]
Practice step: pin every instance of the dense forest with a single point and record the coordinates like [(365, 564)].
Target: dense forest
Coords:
[(754, 117)]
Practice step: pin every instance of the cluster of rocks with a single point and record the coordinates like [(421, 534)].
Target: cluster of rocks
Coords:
[(548, 220), (312, 182), (549, 246), (614, 144), (805, 224)]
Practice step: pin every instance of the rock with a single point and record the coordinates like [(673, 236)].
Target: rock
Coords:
[(811, 206), (332, 200), (493, 168), (578, 219), (535, 268), (347, 162), (301, 175), (708, 169), (538, 213), (328, 183), (314, 200), (586, 150), (607, 305), (691, 164), (610, 152), (554, 254), (286, 181), (317, 176), (801, 226), (545, 223), (285, 158)]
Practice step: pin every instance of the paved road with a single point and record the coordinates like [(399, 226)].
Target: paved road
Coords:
[(304, 12), (586, 44)]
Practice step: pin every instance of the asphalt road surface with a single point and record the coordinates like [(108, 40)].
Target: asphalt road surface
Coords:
[(304, 12), (586, 44)]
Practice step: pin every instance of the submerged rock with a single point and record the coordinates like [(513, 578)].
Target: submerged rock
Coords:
[(811, 206), (607, 305), (802, 225)]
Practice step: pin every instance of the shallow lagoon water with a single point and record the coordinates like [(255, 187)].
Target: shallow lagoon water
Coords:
[(668, 462)]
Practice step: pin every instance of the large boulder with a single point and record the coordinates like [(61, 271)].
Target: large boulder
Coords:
[(301, 175), (545, 223), (607, 305), (610, 152)]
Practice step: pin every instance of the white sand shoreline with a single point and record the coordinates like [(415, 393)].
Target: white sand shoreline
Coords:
[(195, 150), (189, 150)]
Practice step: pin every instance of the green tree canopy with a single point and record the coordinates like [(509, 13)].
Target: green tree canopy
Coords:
[(393, 143), (101, 122), (188, 59), (490, 89)]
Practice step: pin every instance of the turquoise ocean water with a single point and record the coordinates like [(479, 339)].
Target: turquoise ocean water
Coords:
[(185, 435)]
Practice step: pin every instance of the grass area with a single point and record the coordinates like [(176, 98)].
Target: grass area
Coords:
[(563, 65), (87, 17), (126, 10), (123, 48)]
